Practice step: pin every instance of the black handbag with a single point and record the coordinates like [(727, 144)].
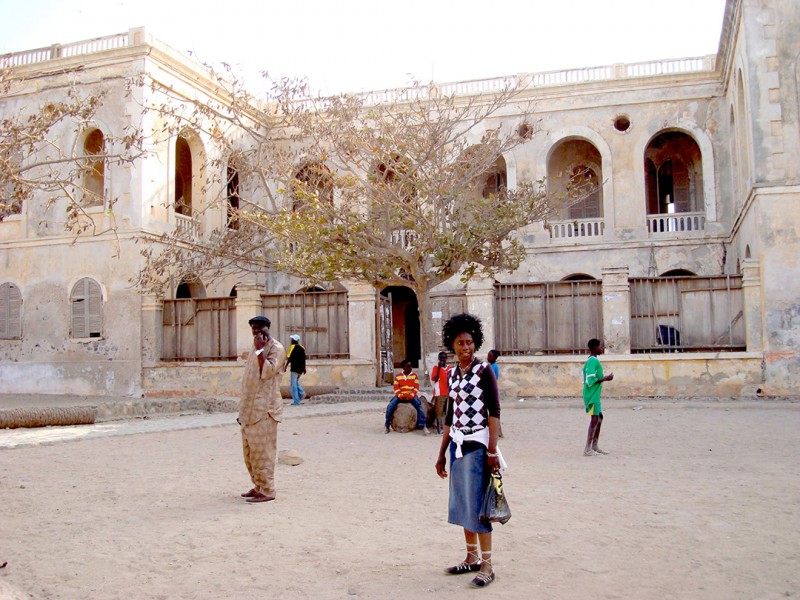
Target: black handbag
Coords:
[(495, 504)]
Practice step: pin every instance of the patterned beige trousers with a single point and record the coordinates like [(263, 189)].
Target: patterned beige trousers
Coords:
[(260, 447)]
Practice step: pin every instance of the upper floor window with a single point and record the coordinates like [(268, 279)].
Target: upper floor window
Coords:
[(183, 177), (673, 174), (10, 312), (574, 170), (313, 180), (496, 179), (94, 168), (86, 303)]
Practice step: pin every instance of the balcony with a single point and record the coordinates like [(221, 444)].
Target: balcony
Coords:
[(665, 224), (187, 227), (577, 228)]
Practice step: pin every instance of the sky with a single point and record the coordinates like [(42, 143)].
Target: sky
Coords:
[(358, 45)]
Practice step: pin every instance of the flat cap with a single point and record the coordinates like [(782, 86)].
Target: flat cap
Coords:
[(259, 320)]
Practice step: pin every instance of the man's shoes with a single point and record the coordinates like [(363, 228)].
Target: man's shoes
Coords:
[(259, 497), (250, 494), (386, 430), (426, 431)]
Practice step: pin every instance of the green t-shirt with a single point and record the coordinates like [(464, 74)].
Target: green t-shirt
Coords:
[(592, 374)]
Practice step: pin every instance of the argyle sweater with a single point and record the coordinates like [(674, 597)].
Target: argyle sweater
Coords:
[(473, 398)]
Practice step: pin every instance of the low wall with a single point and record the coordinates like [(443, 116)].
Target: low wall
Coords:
[(705, 374), (225, 378), (709, 374)]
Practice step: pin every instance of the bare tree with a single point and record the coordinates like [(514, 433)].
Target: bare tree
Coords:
[(407, 190), (37, 160)]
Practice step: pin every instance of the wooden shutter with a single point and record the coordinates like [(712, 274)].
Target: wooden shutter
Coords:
[(87, 309), (10, 312)]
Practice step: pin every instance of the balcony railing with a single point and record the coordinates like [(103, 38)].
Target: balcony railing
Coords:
[(676, 223), (404, 237), (577, 228), (188, 227)]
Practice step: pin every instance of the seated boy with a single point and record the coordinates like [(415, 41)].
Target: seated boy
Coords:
[(406, 389)]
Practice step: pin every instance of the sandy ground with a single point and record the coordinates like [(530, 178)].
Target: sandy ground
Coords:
[(694, 501)]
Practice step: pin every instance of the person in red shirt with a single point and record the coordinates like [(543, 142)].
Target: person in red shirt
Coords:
[(439, 376), (406, 389)]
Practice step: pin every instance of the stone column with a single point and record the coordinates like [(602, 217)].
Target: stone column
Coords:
[(616, 310), (753, 318), (480, 303), (248, 305), (361, 311), (152, 328)]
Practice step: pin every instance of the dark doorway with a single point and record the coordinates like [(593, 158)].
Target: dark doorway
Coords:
[(405, 325)]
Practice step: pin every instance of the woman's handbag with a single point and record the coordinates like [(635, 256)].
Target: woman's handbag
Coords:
[(495, 505)]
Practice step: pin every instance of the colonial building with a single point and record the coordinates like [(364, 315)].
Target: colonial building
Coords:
[(684, 260)]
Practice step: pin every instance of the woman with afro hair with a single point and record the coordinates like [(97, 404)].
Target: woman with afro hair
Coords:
[(472, 424)]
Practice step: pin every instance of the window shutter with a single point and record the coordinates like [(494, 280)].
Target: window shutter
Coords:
[(94, 309), (87, 309), (10, 311)]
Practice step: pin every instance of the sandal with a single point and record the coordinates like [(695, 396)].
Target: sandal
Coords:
[(465, 567), (482, 579), (462, 568)]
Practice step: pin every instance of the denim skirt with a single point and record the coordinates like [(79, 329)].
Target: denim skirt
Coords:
[(469, 478)]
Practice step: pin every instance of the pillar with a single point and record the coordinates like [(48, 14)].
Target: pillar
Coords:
[(248, 305), (152, 328), (480, 303), (616, 310), (361, 311), (753, 318)]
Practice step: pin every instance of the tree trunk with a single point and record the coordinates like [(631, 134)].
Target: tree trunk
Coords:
[(426, 332)]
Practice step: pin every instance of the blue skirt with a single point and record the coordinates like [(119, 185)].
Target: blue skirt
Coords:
[(469, 478)]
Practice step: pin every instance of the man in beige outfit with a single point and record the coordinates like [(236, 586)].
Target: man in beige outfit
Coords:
[(260, 410)]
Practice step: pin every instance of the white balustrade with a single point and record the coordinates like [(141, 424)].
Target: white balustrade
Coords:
[(188, 227), (676, 223), (577, 228), (404, 237)]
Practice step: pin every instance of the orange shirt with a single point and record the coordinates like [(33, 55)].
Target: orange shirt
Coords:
[(406, 386)]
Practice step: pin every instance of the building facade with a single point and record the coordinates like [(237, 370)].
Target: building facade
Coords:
[(684, 260)]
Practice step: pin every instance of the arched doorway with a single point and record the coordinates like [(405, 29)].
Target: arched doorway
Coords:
[(405, 325)]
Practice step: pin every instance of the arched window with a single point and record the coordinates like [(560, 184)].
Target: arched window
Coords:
[(190, 287), (86, 303), (678, 273), (735, 178), (496, 179), (183, 177), (10, 312), (394, 179), (94, 169), (575, 168), (312, 181), (579, 277), (673, 174)]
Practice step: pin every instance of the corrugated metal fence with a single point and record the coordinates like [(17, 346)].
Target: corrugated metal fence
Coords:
[(320, 318), (199, 329), (547, 318), (687, 313)]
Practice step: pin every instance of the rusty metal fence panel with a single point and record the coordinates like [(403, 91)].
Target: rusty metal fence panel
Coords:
[(547, 318), (199, 329), (678, 314), (320, 318)]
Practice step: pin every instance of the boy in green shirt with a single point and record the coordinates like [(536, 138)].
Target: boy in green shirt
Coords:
[(593, 379)]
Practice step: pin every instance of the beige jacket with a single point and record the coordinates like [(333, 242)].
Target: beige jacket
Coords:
[(261, 395)]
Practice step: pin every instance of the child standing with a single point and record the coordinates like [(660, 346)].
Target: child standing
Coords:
[(491, 358), (593, 379), (440, 374)]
